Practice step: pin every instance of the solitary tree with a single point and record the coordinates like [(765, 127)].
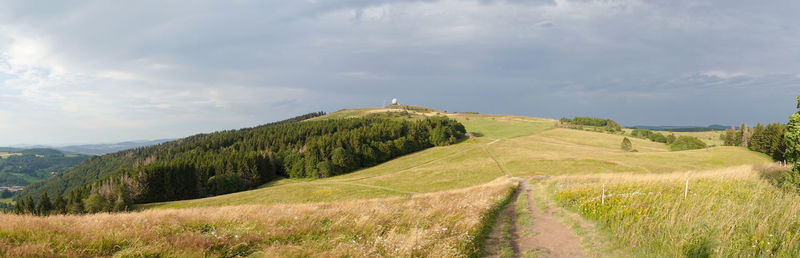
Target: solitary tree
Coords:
[(626, 144)]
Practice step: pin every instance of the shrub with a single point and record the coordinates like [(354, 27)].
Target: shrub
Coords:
[(671, 138), (641, 133), (687, 143), (657, 137), (626, 144)]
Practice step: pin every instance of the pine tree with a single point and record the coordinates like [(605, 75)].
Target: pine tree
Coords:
[(746, 133), (30, 205), (19, 207), (730, 137), (775, 132), (60, 205), (759, 141), (45, 206)]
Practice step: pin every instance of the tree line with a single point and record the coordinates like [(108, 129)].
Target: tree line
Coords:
[(767, 139), (678, 143), (607, 124), (789, 142), (653, 136), (235, 160)]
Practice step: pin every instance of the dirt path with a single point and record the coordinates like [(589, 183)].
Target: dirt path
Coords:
[(524, 230)]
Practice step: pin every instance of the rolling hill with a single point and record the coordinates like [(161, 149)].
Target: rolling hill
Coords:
[(454, 193), (235, 160), (20, 167)]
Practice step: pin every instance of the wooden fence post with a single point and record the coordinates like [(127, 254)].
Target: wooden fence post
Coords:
[(603, 196), (686, 190)]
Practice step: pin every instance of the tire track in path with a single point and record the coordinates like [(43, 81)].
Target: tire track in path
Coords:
[(543, 235)]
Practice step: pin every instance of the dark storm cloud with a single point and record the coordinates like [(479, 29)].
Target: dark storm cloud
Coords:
[(89, 71)]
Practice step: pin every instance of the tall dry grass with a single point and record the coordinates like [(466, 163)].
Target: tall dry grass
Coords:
[(443, 224), (726, 212)]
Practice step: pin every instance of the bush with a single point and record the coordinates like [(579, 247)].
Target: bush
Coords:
[(641, 133), (626, 144), (687, 143), (657, 137), (6, 194), (671, 138)]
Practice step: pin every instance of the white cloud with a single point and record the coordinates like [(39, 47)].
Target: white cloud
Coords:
[(724, 74)]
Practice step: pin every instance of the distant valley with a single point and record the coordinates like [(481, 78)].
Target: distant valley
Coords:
[(97, 149), (21, 167)]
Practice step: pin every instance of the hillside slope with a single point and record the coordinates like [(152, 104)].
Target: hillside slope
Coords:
[(231, 161), (508, 145)]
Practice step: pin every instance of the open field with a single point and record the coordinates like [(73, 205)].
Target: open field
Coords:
[(727, 212), (445, 224), (566, 151), (9, 154)]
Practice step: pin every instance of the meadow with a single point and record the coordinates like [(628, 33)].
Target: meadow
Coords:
[(9, 154), (725, 212), (444, 224), (378, 211)]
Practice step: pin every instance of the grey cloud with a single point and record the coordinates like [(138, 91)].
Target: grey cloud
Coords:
[(169, 69)]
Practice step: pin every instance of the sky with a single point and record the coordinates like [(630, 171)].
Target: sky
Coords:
[(108, 71)]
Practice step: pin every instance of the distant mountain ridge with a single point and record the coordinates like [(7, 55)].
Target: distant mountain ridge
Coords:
[(97, 149), (714, 127)]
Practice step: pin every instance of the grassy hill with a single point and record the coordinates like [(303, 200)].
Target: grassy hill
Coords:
[(235, 160), (507, 145), (398, 207)]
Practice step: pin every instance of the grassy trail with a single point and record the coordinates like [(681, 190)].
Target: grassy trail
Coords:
[(499, 165)]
